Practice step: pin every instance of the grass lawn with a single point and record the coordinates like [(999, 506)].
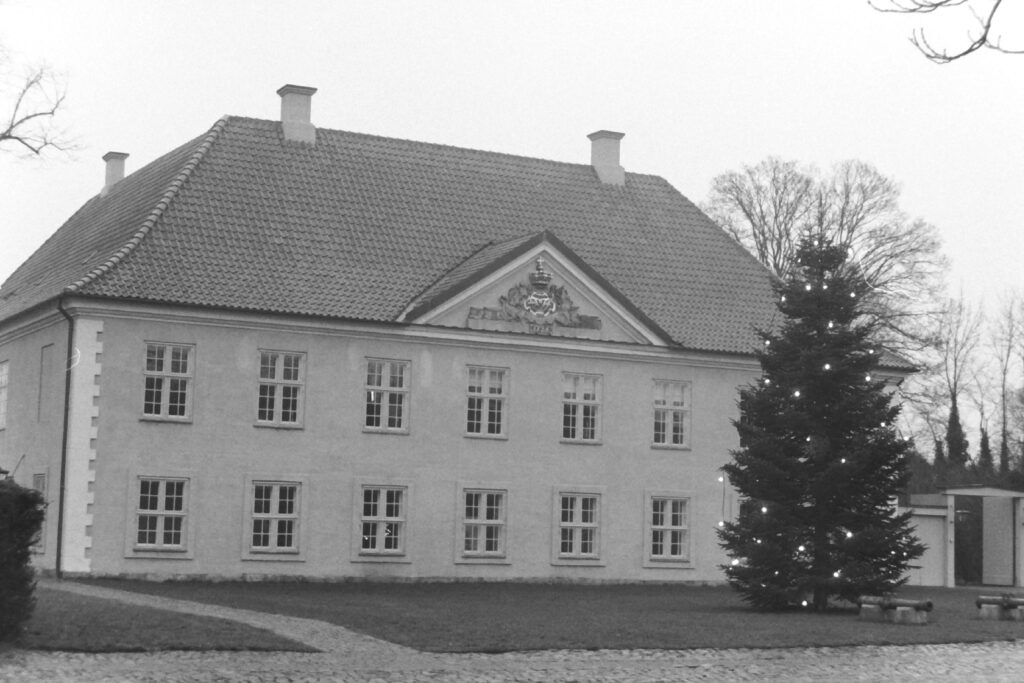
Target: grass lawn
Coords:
[(65, 621), (496, 617)]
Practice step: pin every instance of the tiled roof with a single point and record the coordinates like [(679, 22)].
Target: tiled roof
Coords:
[(467, 271), (361, 227)]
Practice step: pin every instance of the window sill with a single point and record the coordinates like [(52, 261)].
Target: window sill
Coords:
[(169, 420), (270, 556), (279, 425), (487, 437), (483, 560), (374, 430), (670, 447), (159, 554), (581, 442), (578, 562), (386, 559), (665, 563)]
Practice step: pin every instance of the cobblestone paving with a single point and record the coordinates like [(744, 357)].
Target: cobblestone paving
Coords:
[(349, 656)]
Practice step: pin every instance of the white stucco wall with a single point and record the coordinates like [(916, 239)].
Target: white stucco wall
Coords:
[(220, 451)]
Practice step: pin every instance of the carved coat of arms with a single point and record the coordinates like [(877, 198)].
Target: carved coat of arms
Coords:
[(538, 305)]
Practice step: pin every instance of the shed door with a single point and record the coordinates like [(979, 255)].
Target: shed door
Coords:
[(997, 542)]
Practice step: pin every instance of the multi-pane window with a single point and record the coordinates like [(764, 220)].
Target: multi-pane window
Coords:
[(387, 395), (383, 520), (161, 514), (485, 402), (578, 526), (275, 517), (4, 378), (39, 484), (168, 379), (670, 530), (671, 413), (280, 388), (483, 524), (581, 401)]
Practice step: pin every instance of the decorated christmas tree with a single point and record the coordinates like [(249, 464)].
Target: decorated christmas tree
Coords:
[(820, 462)]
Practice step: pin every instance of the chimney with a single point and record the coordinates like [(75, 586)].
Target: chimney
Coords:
[(295, 109), (604, 157), (115, 170)]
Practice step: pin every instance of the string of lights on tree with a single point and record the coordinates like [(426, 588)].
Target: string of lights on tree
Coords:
[(819, 458)]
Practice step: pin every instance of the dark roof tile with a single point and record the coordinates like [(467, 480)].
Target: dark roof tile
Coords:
[(360, 227)]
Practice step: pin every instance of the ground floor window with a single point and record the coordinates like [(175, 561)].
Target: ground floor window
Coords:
[(274, 517), (39, 484), (382, 520), (669, 531), (483, 523), (161, 514), (579, 525)]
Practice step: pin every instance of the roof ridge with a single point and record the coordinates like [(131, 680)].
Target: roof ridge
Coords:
[(445, 145), (154, 216)]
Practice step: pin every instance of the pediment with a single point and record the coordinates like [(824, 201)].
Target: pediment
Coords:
[(545, 290)]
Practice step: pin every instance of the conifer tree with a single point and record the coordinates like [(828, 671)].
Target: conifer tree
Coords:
[(986, 463), (957, 447), (820, 461)]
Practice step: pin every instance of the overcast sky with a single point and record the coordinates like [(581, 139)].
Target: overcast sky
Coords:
[(699, 88)]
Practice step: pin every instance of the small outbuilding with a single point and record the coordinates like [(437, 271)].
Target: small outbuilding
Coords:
[(973, 534)]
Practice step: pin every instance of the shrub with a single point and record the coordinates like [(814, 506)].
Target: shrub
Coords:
[(21, 517)]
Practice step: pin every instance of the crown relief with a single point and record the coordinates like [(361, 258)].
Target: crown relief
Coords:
[(535, 306)]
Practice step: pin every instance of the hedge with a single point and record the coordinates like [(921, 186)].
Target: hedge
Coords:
[(21, 518)]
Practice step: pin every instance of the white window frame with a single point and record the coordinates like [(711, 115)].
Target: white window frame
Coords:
[(387, 394), (5, 380), (578, 526), (164, 377), (668, 560), (379, 515), (273, 382), (671, 407), (578, 408), (273, 517), (40, 481), (474, 521), (482, 399), (161, 514)]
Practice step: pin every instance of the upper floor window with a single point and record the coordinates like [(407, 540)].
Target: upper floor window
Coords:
[(581, 403), (280, 388), (161, 514), (4, 379), (168, 381), (387, 395), (274, 517), (485, 401), (671, 413)]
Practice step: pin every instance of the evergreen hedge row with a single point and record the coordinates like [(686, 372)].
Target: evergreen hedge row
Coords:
[(21, 518)]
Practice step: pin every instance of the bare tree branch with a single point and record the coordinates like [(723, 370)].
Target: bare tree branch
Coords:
[(981, 36), (769, 206), (37, 98), (1004, 341)]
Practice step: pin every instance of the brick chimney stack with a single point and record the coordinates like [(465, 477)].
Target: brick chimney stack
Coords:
[(295, 113)]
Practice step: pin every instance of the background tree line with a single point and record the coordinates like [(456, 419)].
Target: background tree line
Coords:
[(970, 363)]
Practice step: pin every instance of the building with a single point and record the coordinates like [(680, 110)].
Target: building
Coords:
[(973, 534), (283, 350)]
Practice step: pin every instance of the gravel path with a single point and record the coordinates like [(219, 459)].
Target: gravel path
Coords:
[(349, 656)]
